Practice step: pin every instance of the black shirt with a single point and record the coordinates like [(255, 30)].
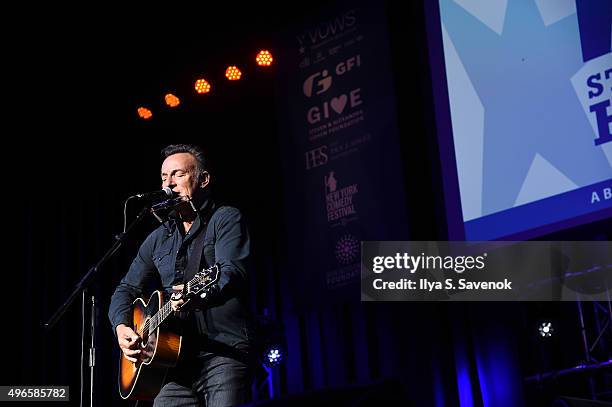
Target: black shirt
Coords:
[(162, 260)]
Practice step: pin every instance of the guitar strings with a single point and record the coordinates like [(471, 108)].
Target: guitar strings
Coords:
[(152, 323)]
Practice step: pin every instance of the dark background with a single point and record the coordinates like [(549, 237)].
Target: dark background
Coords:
[(75, 149)]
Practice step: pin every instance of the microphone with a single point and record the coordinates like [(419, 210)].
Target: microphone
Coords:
[(155, 195)]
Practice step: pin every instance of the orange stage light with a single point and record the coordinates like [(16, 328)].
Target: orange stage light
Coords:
[(233, 73), (264, 58), (202, 86), (144, 113), (172, 100)]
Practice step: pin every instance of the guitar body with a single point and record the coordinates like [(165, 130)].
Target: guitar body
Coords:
[(159, 350), (161, 343)]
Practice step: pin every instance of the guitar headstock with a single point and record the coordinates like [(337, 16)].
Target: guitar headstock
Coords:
[(202, 282)]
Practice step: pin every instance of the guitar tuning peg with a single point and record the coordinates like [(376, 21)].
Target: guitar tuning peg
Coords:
[(203, 295)]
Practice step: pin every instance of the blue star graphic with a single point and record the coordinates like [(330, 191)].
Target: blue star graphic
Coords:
[(522, 77)]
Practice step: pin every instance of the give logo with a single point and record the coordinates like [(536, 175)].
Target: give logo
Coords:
[(337, 104)]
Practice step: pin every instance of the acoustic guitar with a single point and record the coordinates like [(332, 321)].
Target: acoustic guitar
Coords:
[(160, 344)]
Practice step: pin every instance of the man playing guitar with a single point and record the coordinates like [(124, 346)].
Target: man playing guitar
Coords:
[(213, 337)]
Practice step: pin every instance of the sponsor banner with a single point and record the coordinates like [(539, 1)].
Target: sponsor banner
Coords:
[(486, 271), (340, 144)]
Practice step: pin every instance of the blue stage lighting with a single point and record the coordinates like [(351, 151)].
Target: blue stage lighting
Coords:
[(546, 329), (274, 356)]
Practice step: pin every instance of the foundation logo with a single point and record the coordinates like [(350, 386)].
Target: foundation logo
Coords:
[(347, 249)]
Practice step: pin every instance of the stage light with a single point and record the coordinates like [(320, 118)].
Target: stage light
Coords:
[(202, 86), (172, 100), (144, 113), (233, 73), (546, 329), (264, 58), (273, 356)]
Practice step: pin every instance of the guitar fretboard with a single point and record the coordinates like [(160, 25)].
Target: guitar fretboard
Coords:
[(156, 320), (160, 316)]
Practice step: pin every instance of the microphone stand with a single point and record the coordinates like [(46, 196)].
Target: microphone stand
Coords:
[(82, 286)]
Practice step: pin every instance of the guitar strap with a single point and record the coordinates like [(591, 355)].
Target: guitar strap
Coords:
[(194, 263)]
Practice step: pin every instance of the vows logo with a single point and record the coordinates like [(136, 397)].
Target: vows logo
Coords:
[(329, 28)]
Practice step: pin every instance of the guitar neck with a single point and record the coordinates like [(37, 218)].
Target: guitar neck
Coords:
[(192, 288), (156, 320)]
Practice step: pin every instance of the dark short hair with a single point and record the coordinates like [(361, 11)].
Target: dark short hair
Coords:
[(196, 151)]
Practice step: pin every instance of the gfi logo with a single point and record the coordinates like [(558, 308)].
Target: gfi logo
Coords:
[(323, 83), (320, 82)]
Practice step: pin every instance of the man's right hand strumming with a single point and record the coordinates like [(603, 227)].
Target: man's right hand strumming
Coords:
[(129, 342)]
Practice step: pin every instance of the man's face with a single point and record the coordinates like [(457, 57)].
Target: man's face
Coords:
[(178, 172)]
